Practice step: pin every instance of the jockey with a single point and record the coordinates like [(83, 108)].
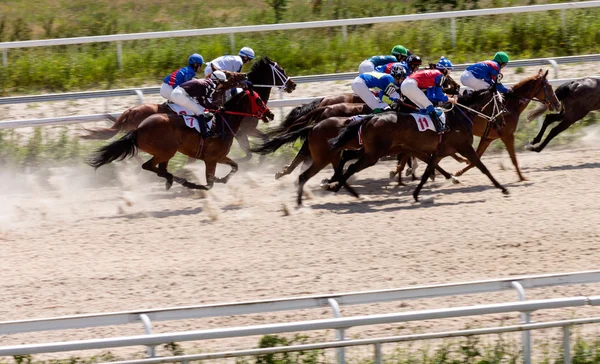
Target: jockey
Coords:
[(387, 85), (411, 65), (230, 63), (399, 54), (197, 95), (431, 81), (482, 75), (181, 75)]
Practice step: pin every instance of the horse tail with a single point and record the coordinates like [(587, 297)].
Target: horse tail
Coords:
[(107, 133), (537, 112), (562, 92), (272, 145), (299, 123), (348, 133), (300, 111), (117, 150)]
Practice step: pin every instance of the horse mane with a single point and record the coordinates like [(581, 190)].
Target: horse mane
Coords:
[(471, 97), (262, 61), (520, 84)]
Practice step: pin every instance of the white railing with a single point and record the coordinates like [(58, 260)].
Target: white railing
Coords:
[(300, 25), (332, 300), (78, 119)]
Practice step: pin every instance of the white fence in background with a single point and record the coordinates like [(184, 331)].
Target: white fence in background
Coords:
[(119, 38), (338, 323)]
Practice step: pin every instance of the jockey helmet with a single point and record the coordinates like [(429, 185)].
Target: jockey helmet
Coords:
[(414, 60), (398, 71), (195, 59), (218, 76), (501, 57), (444, 64), (246, 52), (399, 51)]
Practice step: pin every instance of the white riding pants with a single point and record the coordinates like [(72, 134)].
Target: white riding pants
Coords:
[(366, 66), (411, 89), (470, 81), (165, 91), (181, 98), (359, 86)]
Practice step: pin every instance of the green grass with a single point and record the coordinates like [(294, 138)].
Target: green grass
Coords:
[(301, 52)]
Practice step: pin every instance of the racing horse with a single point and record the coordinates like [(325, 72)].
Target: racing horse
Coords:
[(577, 98), (163, 135), (391, 133), (533, 88), (264, 75)]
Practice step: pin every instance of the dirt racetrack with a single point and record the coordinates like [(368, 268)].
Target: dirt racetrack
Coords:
[(71, 246)]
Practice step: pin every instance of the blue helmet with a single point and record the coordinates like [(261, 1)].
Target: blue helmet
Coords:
[(246, 52), (444, 64), (195, 59)]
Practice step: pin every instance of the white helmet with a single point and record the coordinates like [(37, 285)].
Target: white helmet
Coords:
[(246, 52), (218, 76)]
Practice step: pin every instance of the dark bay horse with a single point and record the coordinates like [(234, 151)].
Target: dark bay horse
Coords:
[(534, 88), (163, 135), (391, 133), (265, 73), (577, 98)]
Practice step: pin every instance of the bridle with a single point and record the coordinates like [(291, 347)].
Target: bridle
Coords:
[(277, 76), (546, 101)]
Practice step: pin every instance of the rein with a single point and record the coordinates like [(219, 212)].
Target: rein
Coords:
[(277, 76), (545, 102)]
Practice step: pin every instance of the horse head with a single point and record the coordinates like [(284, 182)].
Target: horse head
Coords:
[(537, 88), (267, 73)]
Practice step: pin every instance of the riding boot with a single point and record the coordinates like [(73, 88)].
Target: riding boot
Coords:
[(203, 123), (440, 128)]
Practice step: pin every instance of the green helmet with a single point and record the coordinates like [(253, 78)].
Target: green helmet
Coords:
[(399, 51), (501, 57)]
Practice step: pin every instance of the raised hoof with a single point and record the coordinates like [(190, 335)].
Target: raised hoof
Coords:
[(393, 174), (459, 173), (278, 175), (334, 186), (168, 185), (529, 146), (409, 172)]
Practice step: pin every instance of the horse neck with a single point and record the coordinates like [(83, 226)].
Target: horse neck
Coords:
[(522, 94), (266, 79)]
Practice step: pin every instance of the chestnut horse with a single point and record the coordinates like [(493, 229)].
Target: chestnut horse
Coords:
[(534, 88), (392, 132), (264, 75)]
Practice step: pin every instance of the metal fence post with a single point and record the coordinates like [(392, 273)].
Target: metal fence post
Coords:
[(232, 42), (567, 345), (525, 318), (341, 353), (378, 353), (453, 31), (344, 33), (151, 350), (120, 54), (5, 58)]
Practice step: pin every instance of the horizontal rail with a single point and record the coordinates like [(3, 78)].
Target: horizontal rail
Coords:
[(296, 303), (361, 342), (298, 25), (78, 119), (324, 324), (154, 90)]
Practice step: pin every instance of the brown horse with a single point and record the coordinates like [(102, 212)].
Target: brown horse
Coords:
[(577, 99), (534, 88), (163, 135), (393, 132), (264, 75)]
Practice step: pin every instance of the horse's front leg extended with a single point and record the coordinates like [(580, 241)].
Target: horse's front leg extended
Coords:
[(229, 162)]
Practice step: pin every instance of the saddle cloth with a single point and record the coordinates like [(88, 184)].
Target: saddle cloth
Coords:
[(190, 121), (424, 121)]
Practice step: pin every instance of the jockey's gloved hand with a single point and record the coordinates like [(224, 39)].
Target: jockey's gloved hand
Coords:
[(208, 116), (248, 83)]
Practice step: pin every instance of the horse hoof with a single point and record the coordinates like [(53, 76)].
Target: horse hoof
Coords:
[(505, 191), (459, 173), (168, 185), (529, 146), (393, 174), (278, 175), (455, 180), (409, 171)]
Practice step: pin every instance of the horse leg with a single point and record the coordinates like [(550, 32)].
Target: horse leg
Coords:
[(509, 143), (314, 168), (402, 159), (481, 148), (433, 160), (339, 161), (365, 161), (458, 158), (302, 155), (234, 168), (473, 158), (244, 143), (425, 158), (569, 119), (548, 119), (161, 171)]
